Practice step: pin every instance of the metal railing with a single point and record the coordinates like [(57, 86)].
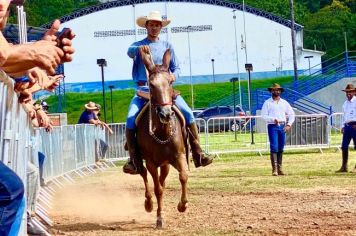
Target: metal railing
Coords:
[(15, 130)]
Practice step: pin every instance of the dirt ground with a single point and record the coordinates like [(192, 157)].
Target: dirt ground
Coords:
[(111, 203)]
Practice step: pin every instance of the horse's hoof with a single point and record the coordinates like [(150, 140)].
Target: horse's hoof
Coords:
[(148, 205), (182, 207), (159, 224)]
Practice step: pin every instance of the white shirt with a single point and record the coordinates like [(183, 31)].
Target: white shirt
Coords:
[(349, 109), (279, 109)]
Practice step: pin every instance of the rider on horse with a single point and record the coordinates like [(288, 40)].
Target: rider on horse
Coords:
[(157, 47)]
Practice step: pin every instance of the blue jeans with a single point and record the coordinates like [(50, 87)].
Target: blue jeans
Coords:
[(277, 137), (137, 104), (41, 158), (11, 194), (349, 133)]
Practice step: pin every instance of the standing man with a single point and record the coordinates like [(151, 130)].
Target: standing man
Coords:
[(153, 23), (279, 117), (349, 125)]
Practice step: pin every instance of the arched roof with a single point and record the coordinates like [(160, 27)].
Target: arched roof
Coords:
[(223, 3)]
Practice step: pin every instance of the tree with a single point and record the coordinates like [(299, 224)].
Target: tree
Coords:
[(38, 15), (326, 28)]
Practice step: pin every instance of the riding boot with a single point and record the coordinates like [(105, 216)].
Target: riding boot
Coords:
[(274, 163), (279, 163), (134, 165), (199, 158), (345, 157)]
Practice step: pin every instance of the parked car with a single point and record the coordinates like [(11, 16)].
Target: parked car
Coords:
[(223, 124)]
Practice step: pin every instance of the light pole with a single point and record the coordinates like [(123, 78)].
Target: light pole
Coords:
[(249, 68), (212, 63), (291, 9), (102, 63), (190, 66), (233, 80), (308, 57), (243, 9), (111, 87), (237, 59)]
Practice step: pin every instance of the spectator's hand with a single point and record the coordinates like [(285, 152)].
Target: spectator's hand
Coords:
[(26, 89), (286, 128), (29, 109), (47, 55), (44, 120), (45, 81), (342, 130), (51, 35)]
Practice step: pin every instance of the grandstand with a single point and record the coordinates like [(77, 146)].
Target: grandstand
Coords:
[(311, 93)]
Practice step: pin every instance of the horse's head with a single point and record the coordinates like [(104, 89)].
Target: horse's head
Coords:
[(160, 83)]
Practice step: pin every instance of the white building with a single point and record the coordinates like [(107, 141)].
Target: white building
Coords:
[(107, 30)]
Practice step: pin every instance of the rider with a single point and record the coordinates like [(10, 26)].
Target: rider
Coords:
[(154, 45)]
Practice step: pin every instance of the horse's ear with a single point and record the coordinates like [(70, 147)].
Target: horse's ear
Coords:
[(166, 58), (147, 61)]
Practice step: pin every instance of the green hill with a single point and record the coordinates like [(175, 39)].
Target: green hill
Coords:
[(204, 94)]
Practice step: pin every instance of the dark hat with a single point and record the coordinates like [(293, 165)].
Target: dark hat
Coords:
[(275, 86), (349, 88)]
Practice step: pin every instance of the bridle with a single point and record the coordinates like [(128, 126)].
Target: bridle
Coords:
[(172, 122)]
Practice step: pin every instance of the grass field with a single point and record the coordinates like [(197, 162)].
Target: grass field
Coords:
[(236, 195)]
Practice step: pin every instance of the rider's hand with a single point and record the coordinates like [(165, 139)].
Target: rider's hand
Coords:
[(144, 49)]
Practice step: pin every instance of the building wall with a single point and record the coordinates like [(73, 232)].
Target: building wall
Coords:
[(268, 43)]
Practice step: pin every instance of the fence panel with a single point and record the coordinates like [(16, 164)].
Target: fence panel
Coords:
[(336, 124), (222, 135), (15, 130), (116, 142), (308, 130), (69, 148)]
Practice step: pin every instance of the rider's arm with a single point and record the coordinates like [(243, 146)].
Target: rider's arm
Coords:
[(132, 52), (174, 64)]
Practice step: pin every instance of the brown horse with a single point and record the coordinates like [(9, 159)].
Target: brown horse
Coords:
[(161, 137)]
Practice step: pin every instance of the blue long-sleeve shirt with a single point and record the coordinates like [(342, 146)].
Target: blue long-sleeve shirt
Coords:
[(158, 49)]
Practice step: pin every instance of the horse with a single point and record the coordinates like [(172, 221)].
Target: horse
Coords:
[(161, 137)]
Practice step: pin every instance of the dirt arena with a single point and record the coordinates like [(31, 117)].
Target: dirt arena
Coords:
[(111, 203)]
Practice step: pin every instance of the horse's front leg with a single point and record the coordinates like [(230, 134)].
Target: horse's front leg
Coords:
[(163, 175), (148, 195), (183, 178), (158, 192)]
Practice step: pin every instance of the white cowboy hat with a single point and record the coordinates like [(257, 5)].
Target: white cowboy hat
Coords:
[(153, 15), (91, 106)]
